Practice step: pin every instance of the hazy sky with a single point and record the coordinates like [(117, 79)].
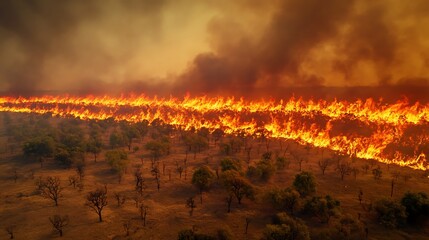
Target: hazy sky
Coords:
[(210, 45)]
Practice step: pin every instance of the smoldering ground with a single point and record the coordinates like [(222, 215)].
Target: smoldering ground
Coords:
[(212, 47)]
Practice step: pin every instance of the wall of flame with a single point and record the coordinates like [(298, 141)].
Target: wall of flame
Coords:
[(390, 133)]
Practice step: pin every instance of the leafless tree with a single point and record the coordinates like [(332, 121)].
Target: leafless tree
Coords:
[(406, 177), (11, 230), (73, 181), (163, 168), (324, 164), (127, 227), (50, 188), (248, 220), (365, 167), (299, 158), (190, 203), (360, 196), (157, 175), (248, 149), (229, 201), (344, 169), (15, 175), (97, 200), (140, 184), (355, 171), (80, 170), (59, 222), (372, 163), (395, 175), (143, 212), (377, 173), (179, 169), (120, 198), (138, 200)]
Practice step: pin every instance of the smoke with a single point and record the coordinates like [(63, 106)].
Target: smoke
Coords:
[(212, 47)]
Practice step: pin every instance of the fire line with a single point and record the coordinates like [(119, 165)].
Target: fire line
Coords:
[(364, 129)]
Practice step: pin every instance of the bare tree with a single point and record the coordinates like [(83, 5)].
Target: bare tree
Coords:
[(248, 220), (395, 175), (120, 198), (344, 168), (143, 212), (140, 184), (299, 158), (50, 188), (127, 227), (360, 196), (229, 201), (157, 175), (97, 200), (190, 203), (138, 200), (11, 230), (73, 181), (59, 222), (179, 169), (80, 170), (355, 171), (377, 173), (324, 164), (365, 167), (406, 177), (248, 149), (15, 175)]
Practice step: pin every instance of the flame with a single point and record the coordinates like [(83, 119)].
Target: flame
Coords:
[(370, 129)]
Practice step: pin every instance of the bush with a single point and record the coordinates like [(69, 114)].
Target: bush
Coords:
[(224, 234), (390, 213), (63, 157), (322, 207), (285, 227), (305, 183), (189, 234), (284, 199), (263, 171), (282, 162), (349, 228), (230, 164), (416, 206)]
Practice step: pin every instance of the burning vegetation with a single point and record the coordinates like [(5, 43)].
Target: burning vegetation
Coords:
[(390, 133)]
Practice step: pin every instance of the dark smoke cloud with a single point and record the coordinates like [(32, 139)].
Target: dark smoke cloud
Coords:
[(212, 47), (294, 30)]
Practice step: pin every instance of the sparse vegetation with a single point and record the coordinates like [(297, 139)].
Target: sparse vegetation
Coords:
[(253, 168)]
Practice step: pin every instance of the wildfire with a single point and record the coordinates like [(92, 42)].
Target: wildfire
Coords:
[(365, 129)]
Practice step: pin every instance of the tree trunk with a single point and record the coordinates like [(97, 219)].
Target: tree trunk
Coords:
[(61, 232), (100, 219), (229, 201)]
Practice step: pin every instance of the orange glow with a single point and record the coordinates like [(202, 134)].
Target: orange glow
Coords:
[(365, 128)]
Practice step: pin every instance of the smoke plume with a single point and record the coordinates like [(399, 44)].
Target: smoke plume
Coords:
[(212, 47)]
